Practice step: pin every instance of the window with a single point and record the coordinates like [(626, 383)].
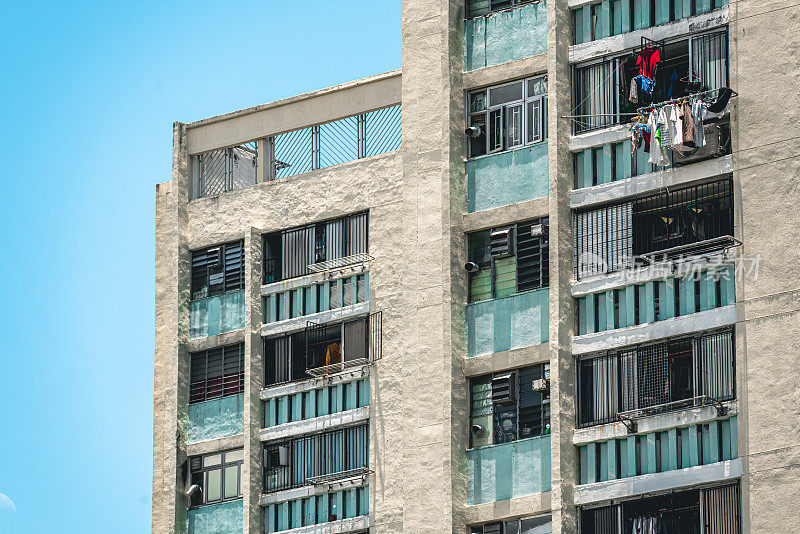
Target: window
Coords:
[(334, 454), (677, 511), (526, 525), (216, 373), (288, 254), (479, 8), (289, 358), (217, 270), (505, 407), (601, 87), (508, 116), (653, 375), (218, 475), (508, 260)]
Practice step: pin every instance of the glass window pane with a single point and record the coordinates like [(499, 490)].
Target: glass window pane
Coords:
[(537, 86), (231, 481), (505, 93), (495, 130), (212, 459), (235, 455), (213, 489), (477, 102), (477, 145), (537, 525), (534, 121), (514, 129)]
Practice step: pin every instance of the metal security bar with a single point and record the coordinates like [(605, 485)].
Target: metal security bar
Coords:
[(332, 348), (301, 461), (656, 378), (336, 142), (227, 169), (614, 237), (216, 373)]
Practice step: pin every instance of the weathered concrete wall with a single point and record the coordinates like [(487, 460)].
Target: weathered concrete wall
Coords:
[(510, 470), (512, 322), (216, 418), (222, 518), (505, 36), (765, 45), (507, 178)]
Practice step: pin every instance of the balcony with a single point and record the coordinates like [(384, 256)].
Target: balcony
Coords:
[(216, 315), (516, 469), (505, 36), (507, 178), (216, 418), (598, 20), (314, 297), (297, 151), (340, 511), (223, 518), (512, 322)]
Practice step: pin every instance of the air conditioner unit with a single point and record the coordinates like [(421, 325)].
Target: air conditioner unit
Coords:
[(501, 242), (718, 140), (538, 230), (541, 385)]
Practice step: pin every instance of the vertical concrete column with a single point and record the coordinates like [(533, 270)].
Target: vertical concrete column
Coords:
[(171, 383), (432, 436), (253, 381), (562, 364)]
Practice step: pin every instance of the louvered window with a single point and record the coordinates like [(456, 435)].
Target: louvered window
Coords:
[(287, 254), (509, 405), (510, 259), (217, 270), (217, 373)]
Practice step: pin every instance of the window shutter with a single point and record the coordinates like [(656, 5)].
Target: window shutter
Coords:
[(501, 242)]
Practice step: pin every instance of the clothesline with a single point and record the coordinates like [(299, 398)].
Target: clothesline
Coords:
[(678, 99)]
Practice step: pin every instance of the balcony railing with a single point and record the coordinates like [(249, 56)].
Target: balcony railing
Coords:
[(316, 297), (317, 402), (317, 510), (299, 151)]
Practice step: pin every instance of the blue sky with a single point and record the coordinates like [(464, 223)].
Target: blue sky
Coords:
[(88, 95)]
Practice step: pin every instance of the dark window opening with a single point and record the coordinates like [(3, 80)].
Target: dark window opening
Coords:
[(480, 8), (217, 270)]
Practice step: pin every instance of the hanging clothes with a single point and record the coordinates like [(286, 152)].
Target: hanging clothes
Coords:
[(699, 111), (633, 96), (721, 102), (676, 125), (648, 60), (657, 125), (687, 120), (645, 84)]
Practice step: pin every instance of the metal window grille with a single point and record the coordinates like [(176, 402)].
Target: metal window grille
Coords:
[(508, 115), (227, 169), (721, 510), (603, 520), (656, 375), (338, 452), (609, 238), (218, 475), (336, 142), (216, 373), (288, 254), (217, 269)]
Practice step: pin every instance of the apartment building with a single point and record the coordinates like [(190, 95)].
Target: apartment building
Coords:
[(541, 279)]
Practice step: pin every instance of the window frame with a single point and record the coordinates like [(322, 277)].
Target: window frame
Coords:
[(203, 474), (502, 110), (502, 527), (232, 273)]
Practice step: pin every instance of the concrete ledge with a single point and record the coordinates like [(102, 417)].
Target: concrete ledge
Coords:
[(505, 72), (600, 137), (618, 279), (509, 359), (299, 323), (307, 491), (508, 509), (529, 209), (621, 43), (680, 478), (315, 425), (649, 183), (676, 326), (283, 390), (294, 113), (212, 342), (354, 524), (315, 278), (215, 445), (656, 423)]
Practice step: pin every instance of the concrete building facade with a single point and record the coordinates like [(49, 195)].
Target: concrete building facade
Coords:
[(457, 297)]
